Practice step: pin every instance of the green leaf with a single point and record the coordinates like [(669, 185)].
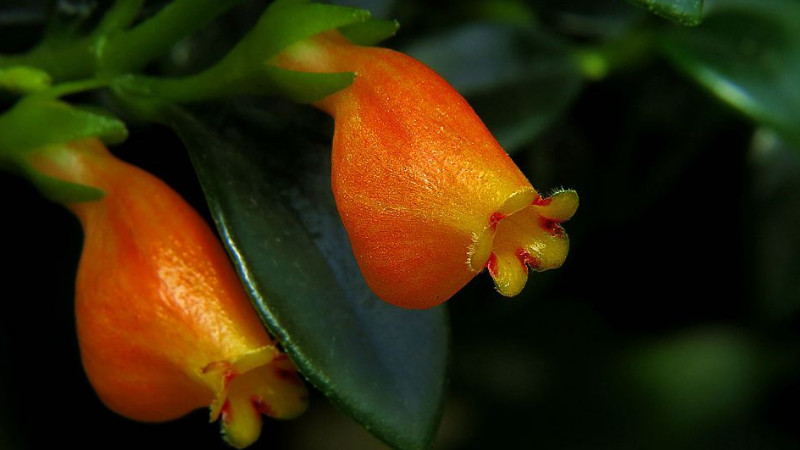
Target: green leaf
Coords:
[(517, 80), (685, 12), (267, 181), (748, 54)]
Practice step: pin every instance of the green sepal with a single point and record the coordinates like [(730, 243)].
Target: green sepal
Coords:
[(306, 87), (24, 79), (371, 32), (61, 191), (35, 122), (288, 21)]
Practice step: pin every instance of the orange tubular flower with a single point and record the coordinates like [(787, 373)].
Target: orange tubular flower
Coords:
[(427, 195), (164, 324)]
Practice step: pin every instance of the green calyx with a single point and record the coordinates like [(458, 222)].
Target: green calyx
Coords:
[(38, 121)]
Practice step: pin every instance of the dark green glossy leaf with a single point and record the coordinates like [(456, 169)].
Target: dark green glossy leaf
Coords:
[(747, 53), (268, 185), (685, 12), (518, 81)]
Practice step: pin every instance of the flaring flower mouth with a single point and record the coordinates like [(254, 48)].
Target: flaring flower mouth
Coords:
[(248, 387), (529, 237)]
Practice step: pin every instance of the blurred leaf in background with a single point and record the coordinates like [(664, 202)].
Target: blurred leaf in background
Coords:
[(685, 12), (517, 79), (748, 54), (776, 217), (697, 379)]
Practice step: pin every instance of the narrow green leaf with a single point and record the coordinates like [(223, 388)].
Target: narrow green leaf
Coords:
[(517, 80), (685, 12), (748, 54), (267, 181)]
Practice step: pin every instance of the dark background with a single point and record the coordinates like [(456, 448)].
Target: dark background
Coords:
[(673, 323)]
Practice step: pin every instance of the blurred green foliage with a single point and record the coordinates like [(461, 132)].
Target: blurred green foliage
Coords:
[(674, 323)]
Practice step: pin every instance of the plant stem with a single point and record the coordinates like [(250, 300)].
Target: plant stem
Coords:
[(132, 50), (111, 49)]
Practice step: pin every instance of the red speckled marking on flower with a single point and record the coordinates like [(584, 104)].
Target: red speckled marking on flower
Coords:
[(492, 265), (539, 201), (261, 406), (229, 376), (495, 218), (527, 259), (287, 375), (227, 415), (551, 225)]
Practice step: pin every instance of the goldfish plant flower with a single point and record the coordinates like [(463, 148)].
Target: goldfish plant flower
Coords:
[(427, 195), (164, 324)]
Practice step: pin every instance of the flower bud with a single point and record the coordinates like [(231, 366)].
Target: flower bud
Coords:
[(427, 195), (164, 323)]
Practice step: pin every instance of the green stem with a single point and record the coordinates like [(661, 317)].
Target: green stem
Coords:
[(111, 49), (119, 17), (74, 87), (132, 50)]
